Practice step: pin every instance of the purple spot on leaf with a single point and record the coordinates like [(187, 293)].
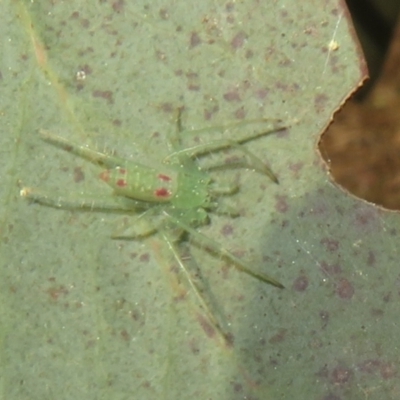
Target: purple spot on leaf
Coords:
[(240, 113), (207, 327), (369, 366), (344, 289), (195, 39), (281, 204), (388, 370), (262, 93), (145, 257), (331, 269), (367, 219), (324, 315), (104, 94), (79, 175), (237, 387), (279, 337), (371, 258), (296, 168), (300, 284), (232, 96), (341, 375), (227, 230), (118, 6), (330, 244), (320, 102), (163, 13), (239, 40)]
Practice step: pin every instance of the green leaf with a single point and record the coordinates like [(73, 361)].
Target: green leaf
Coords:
[(84, 316)]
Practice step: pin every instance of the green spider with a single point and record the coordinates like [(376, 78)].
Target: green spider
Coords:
[(172, 200)]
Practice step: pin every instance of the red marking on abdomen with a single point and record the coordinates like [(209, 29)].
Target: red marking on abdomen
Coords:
[(121, 182), (162, 192), (105, 175), (164, 178)]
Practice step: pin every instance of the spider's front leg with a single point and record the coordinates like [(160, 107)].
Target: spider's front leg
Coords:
[(251, 160)]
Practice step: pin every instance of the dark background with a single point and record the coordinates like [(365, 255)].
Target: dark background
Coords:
[(362, 145)]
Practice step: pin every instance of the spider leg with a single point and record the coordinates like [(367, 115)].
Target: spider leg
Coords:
[(173, 138), (95, 157), (221, 207), (180, 154), (138, 228), (252, 161), (273, 125), (192, 283), (218, 249), (216, 189), (112, 204), (146, 224)]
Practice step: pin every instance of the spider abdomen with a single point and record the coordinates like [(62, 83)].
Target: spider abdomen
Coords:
[(142, 183)]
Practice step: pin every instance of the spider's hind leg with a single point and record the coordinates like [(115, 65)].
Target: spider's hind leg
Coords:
[(109, 204), (216, 248), (198, 291)]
